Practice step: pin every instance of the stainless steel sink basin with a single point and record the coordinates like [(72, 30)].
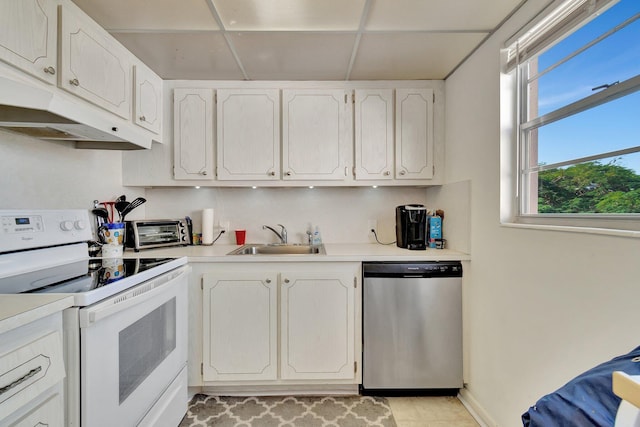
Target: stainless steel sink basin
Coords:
[(278, 249)]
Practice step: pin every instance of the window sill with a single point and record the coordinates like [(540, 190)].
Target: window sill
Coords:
[(575, 229)]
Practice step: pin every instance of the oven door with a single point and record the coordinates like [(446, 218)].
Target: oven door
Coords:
[(132, 347)]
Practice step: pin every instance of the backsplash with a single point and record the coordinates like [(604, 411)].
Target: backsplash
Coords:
[(342, 214), (40, 174)]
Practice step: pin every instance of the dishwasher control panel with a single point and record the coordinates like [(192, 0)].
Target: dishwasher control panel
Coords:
[(412, 269)]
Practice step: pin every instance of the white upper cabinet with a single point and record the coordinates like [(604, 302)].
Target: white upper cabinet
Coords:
[(93, 65), (414, 133), (147, 99), (28, 37), (316, 136), (374, 134), (193, 134), (248, 128)]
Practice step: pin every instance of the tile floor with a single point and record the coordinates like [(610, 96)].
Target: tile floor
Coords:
[(438, 411)]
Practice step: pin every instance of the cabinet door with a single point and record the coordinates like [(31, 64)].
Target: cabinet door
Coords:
[(93, 65), (248, 134), (374, 134), (316, 137), (317, 321), (240, 321), (414, 133), (193, 133), (28, 30), (147, 99)]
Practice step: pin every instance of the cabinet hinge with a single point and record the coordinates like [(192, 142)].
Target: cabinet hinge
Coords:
[(202, 283), (434, 98), (355, 282), (345, 98), (355, 367), (434, 170), (202, 369)]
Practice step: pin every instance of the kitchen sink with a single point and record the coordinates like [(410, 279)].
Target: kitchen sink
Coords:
[(278, 249)]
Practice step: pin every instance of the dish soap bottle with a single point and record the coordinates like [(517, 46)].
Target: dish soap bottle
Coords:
[(316, 240)]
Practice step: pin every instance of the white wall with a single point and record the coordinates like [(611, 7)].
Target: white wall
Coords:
[(52, 175), (542, 306), (342, 214)]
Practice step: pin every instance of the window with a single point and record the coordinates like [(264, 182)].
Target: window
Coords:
[(577, 75)]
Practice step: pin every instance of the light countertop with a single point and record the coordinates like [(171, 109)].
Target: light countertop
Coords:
[(18, 310), (335, 253)]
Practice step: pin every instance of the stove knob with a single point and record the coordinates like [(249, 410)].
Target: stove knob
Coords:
[(66, 225), (79, 224)]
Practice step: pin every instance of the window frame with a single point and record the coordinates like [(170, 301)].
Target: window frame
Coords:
[(538, 36)]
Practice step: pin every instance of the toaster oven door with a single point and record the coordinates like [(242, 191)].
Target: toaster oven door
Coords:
[(157, 234)]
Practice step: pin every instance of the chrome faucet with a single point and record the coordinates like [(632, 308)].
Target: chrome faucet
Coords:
[(282, 235)]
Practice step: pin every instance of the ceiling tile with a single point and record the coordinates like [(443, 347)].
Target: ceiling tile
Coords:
[(184, 56), (150, 14), (411, 56), (290, 15), (294, 56), (433, 15)]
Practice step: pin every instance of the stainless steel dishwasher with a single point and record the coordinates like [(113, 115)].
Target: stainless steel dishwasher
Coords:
[(412, 327)]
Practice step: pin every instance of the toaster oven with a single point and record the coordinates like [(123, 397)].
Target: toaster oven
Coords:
[(157, 233)]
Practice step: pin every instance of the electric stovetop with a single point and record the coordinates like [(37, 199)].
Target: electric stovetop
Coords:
[(95, 279)]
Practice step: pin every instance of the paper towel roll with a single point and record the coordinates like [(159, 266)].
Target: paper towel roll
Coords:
[(207, 226)]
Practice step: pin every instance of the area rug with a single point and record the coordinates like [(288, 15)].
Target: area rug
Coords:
[(288, 411)]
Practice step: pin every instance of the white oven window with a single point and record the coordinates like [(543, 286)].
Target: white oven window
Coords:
[(143, 345)]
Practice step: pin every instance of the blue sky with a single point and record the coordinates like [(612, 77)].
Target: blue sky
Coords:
[(605, 128)]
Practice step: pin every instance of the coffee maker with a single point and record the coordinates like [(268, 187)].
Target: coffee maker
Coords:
[(411, 227)]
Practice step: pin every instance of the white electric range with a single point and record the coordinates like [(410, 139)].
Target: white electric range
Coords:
[(125, 337)]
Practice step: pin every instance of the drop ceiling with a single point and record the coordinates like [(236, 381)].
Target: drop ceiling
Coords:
[(300, 39)]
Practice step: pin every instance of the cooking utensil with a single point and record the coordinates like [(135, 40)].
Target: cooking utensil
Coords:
[(110, 210), (122, 198), (101, 214), (137, 202), (121, 206)]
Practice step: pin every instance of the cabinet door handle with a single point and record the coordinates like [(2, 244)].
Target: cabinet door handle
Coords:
[(20, 380), (268, 281), (403, 173), (288, 173), (272, 173), (50, 70), (386, 173), (143, 119), (203, 173), (286, 280), (74, 82)]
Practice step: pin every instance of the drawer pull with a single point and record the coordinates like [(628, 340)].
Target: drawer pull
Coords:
[(20, 380), (74, 82)]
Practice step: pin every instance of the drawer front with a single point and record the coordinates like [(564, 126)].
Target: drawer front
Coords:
[(47, 413), (29, 370)]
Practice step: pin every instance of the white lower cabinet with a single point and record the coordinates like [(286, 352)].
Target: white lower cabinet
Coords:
[(317, 325), (240, 326), (281, 323), (32, 373)]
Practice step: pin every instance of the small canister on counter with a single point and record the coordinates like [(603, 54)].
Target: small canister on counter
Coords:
[(197, 239)]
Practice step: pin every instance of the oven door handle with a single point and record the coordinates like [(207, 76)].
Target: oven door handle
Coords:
[(131, 297)]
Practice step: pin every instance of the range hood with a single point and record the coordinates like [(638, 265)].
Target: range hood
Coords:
[(51, 115)]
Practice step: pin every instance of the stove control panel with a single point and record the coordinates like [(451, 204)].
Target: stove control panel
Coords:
[(30, 229)]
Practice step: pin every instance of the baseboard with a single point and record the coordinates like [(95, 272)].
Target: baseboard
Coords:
[(476, 410), (282, 390)]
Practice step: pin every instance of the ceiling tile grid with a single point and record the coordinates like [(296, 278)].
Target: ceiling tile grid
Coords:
[(300, 39)]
